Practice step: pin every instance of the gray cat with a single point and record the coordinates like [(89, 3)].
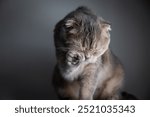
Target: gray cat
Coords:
[(86, 68)]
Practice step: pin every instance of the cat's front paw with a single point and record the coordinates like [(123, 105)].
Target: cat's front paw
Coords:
[(72, 58)]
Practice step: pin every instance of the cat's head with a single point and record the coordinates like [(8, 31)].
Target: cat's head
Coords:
[(81, 36)]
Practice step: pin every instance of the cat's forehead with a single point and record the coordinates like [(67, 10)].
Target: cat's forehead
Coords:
[(87, 26)]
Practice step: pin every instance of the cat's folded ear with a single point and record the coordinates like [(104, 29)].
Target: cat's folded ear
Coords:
[(71, 26), (105, 24), (70, 23)]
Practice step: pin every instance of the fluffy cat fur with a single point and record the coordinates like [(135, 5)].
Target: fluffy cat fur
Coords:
[(86, 68)]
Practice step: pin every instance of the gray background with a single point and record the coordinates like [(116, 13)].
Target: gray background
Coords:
[(27, 53)]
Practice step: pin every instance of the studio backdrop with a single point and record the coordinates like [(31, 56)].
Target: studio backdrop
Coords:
[(27, 53)]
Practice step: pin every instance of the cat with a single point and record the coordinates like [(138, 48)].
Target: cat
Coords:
[(86, 68)]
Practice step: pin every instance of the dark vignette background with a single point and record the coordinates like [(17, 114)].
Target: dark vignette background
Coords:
[(27, 54)]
